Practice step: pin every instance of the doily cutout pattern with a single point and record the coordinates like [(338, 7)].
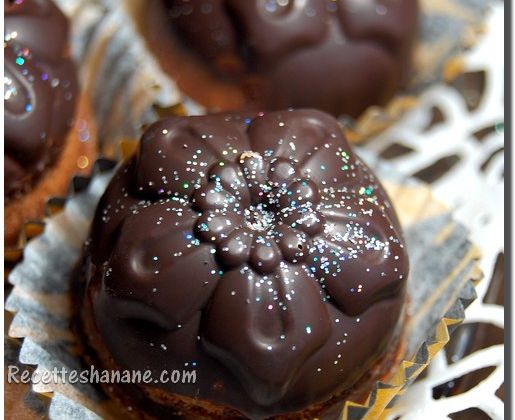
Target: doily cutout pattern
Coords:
[(454, 140)]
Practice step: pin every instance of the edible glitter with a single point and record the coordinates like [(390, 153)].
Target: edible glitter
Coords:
[(282, 225)]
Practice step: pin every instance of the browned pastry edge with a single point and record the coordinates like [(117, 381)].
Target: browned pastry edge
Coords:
[(132, 399), (56, 180)]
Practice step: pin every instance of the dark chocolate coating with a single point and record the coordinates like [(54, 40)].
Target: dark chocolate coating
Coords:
[(258, 250), (40, 90), (340, 56)]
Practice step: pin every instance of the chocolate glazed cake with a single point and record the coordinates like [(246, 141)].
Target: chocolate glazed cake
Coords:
[(257, 250), (41, 100), (340, 56), (40, 90)]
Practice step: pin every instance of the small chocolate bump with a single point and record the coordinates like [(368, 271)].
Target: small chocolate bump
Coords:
[(235, 249), (264, 255), (281, 170), (212, 196), (293, 244)]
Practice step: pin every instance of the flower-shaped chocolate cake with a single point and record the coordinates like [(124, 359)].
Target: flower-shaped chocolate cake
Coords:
[(340, 56), (258, 250)]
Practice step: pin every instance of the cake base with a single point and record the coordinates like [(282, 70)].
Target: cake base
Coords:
[(144, 402)]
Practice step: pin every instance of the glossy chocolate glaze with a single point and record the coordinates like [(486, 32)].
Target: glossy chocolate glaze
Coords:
[(40, 89), (256, 249), (340, 56)]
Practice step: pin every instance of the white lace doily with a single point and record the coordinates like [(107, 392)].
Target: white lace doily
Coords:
[(469, 143)]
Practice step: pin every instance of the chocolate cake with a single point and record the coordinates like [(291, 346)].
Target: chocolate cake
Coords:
[(257, 250), (340, 56), (40, 90), (48, 131)]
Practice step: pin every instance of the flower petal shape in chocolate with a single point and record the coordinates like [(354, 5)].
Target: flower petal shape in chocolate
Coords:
[(263, 242)]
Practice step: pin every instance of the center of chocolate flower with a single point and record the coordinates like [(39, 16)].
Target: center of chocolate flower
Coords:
[(259, 218), (258, 211)]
